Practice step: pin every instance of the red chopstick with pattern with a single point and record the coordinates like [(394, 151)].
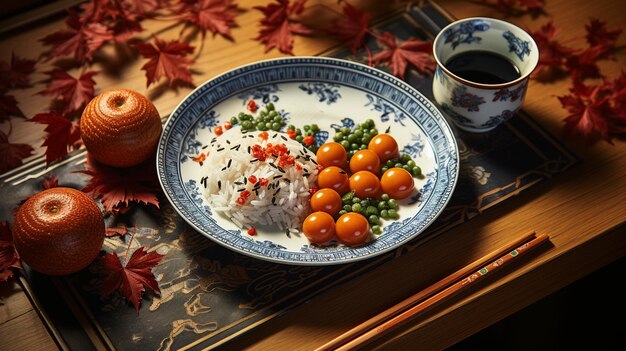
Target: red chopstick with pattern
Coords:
[(433, 295)]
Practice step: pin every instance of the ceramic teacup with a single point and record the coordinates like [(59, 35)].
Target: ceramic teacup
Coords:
[(474, 106)]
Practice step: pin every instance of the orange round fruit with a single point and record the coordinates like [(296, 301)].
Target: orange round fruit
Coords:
[(120, 128), (58, 231)]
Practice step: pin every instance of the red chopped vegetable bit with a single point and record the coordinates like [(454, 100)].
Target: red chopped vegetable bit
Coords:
[(298, 167), (291, 133), (252, 231), (258, 152), (252, 106), (263, 181), (252, 179), (200, 158), (219, 130), (264, 136), (240, 201), (245, 194), (308, 140), (228, 125)]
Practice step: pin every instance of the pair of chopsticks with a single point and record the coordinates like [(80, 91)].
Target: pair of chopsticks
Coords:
[(433, 295)]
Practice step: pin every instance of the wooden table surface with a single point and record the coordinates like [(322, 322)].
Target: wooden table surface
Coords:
[(583, 209)]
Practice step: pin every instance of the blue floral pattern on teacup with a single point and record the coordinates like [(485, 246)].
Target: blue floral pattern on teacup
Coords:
[(517, 45), (498, 119), (462, 98), (505, 94), (464, 33)]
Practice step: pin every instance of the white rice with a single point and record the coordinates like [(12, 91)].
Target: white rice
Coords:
[(283, 202)]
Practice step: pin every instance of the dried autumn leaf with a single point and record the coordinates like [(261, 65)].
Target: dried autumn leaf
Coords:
[(11, 155), (9, 258), (119, 187), (590, 112), (8, 107), (166, 58), (277, 29), (351, 28), (79, 40), (17, 73), (413, 51), (217, 16), (121, 231), (61, 134), (552, 53), (72, 94), (583, 64), (598, 34), (133, 278), (50, 182)]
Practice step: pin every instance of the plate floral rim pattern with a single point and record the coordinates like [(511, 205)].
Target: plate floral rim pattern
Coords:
[(404, 99)]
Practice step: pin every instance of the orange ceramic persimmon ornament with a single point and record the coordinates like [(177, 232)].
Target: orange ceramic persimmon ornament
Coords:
[(58, 231), (120, 128)]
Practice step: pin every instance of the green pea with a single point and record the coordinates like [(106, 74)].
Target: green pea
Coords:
[(298, 131), (345, 130), (385, 197), (354, 147), (363, 147), (339, 136), (299, 138), (234, 120), (268, 125), (411, 163), (416, 171), (365, 141), (369, 122), (382, 206), (246, 124), (356, 200), (348, 196), (393, 204), (357, 207), (371, 210), (393, 214), (406, 168), (276, 126), (270, 107), (384, 214), (376, 229), (358, 133), (260, 126), (345, 144), (352, 138), (384, 169), (390, 163), (373, 219), (342, 212), (405, 158), (347, 207), (374, 131), (291, 127), (315, 128), (306, 128)]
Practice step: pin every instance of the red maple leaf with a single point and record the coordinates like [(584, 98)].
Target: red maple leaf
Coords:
[(8, 107), (514, 7), (16, 74), (598, 34), (277, 29), (133, 278), (583, 64), (70, 93), (217, 16), (11, 155), (50, 182), (351, 28), (121, 231), (591, 115), (166, 59), (141, 8), (9, 258), (79, 40), (552, 53), (413, 51), (61, 134), (119, 187)]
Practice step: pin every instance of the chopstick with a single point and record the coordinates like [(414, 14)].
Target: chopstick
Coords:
[(433, 295)]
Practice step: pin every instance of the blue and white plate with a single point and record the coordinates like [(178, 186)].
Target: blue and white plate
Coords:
[(331, 93)]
